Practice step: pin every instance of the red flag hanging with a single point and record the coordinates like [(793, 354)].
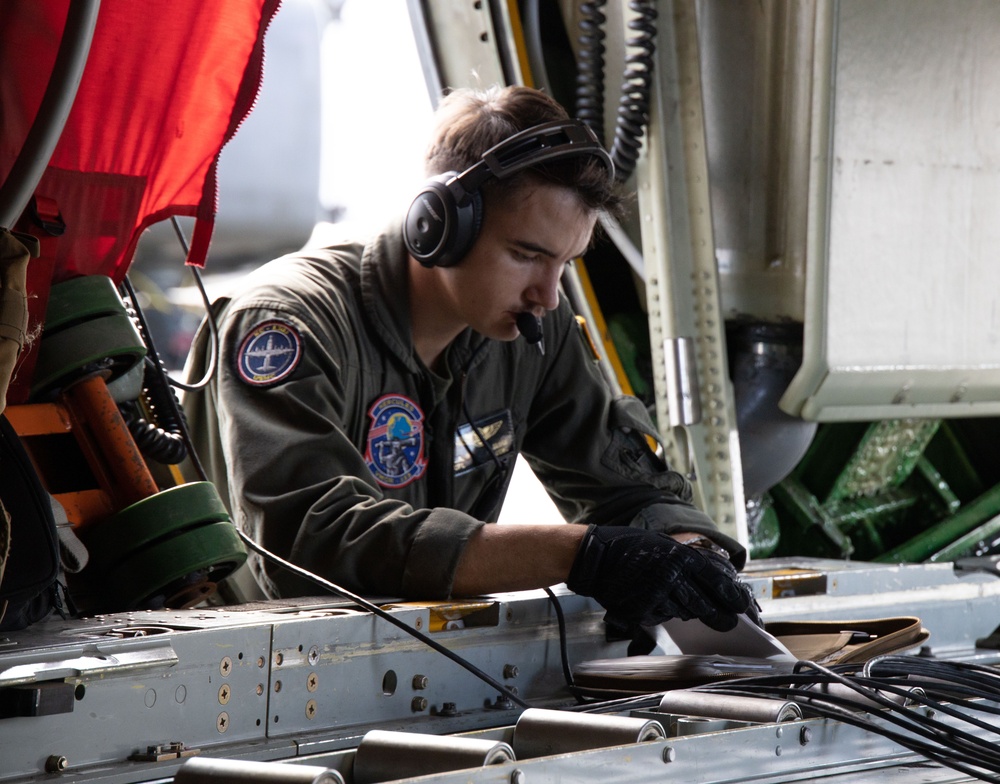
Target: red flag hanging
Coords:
[(165, 86)]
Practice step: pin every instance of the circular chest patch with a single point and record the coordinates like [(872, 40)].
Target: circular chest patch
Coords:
[(395, 452), (269, 353)]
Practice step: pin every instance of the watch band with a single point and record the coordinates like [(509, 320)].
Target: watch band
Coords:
[(702, 542)]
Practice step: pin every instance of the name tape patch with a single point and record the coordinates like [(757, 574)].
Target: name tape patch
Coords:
[(491, 436)]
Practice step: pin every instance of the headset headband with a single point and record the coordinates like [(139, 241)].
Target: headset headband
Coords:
[(530, 147)]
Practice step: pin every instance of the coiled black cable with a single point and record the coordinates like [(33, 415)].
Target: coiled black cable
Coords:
[(590, 67), (161, 441), (633, 107)]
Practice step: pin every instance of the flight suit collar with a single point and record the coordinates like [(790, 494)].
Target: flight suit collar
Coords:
[(385, 293)]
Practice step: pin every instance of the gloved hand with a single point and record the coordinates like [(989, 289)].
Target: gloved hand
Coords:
[(645, 577)]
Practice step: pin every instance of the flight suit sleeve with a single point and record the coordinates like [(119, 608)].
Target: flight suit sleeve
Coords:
[(590, 449), (298, 483)]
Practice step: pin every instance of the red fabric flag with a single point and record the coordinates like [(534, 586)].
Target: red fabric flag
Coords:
[(165, 86)]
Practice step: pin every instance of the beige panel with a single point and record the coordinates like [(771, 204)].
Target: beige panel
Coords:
[(903, 280)]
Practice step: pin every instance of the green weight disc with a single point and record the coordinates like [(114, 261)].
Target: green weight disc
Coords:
[(81, 299), (175, 572), (110, 340), (160, 516)]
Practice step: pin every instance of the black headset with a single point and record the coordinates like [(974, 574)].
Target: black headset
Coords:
[(444, 219)]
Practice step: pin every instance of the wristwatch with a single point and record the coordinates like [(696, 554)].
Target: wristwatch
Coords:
[(702, 542)]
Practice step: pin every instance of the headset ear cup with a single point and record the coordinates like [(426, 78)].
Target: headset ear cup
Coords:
[(463, 228), (428, 222), (440, 228), (468, 224)]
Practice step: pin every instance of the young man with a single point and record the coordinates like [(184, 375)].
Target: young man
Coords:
[(371, 397)]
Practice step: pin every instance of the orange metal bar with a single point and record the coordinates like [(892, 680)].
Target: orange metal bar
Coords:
[(33, 422), (84, 507), (37, 419), (95, 414)]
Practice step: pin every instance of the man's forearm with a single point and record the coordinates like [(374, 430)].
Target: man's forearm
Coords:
[(516, 558)]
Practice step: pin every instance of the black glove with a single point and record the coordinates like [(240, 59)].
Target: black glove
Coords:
[(645, 577)]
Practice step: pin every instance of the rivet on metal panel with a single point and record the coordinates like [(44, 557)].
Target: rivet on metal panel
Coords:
[(502, 702), (56, 763), (312, 682), (226, 666), (222, 723), (224, 694), (311, 709)]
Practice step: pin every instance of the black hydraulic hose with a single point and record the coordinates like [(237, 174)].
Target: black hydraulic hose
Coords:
[(50, 119)]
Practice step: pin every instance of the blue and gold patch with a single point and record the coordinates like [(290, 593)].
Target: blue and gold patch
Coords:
[(395, 453), (269, 353)]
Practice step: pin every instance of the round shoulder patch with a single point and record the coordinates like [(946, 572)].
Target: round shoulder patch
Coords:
[(269, 353)]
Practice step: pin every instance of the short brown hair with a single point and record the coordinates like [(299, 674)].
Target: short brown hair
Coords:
[(468, 122)]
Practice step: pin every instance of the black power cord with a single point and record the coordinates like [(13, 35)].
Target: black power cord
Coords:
[(563, 648), (931, 692), (376, 610), (213, 327), (501, 483)]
